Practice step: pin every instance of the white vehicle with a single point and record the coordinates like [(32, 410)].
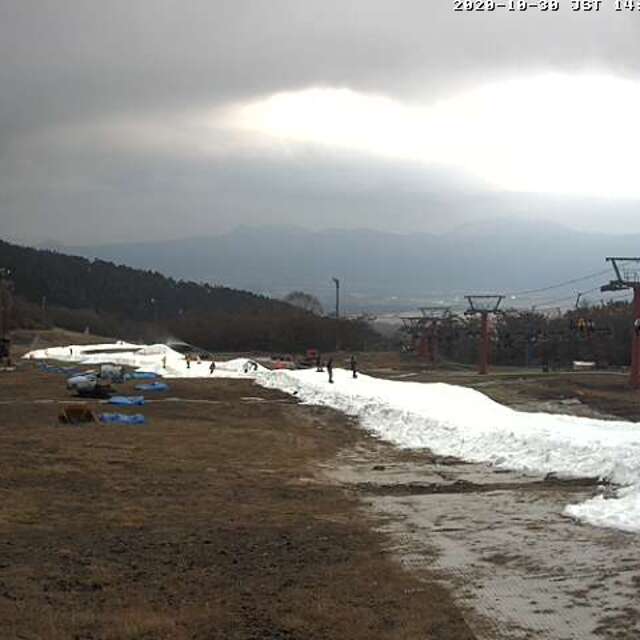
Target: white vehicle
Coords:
[(96, 384)]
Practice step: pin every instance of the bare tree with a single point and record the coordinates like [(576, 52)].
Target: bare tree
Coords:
[(304, 301)]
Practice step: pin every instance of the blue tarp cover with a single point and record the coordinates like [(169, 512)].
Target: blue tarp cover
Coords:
[(122, 418), (127, 401), (140, 375), (153, 386)]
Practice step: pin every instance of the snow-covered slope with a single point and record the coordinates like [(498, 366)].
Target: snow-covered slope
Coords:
[(447, 419), (462, 422), (156, 358)]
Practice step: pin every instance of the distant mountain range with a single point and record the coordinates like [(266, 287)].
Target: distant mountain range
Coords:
[(381, 270)]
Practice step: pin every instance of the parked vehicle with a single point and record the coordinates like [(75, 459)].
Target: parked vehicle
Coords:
[(310, 358), (96, 384), (88, 385), (112, 372), (284, 362)]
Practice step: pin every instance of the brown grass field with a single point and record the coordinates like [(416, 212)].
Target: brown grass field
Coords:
[(210, 522), (215, 520)]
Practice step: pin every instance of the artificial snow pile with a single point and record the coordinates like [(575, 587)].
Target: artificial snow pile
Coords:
[(462, 422), (160, 359)]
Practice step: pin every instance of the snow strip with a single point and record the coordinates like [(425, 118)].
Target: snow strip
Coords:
[(462, 422), (156, 358), (447, 419)]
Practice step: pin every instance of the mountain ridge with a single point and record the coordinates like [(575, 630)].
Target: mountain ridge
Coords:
[(376, 266)]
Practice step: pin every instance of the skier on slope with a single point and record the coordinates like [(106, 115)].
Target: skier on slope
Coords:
[(354, 366)]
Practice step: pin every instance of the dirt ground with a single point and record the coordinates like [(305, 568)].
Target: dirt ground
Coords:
[(225, 516), (210, 522)]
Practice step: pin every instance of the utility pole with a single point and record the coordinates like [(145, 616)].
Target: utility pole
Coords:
[(627, 272), (483, 306)]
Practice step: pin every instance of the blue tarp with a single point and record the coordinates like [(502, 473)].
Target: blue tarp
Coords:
[(153, 386), (127, 401), (122, 418), (140, 375)]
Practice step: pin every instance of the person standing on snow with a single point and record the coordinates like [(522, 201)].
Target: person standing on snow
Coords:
[(318, 363), (354, 366), (330, 369), (212, 368)]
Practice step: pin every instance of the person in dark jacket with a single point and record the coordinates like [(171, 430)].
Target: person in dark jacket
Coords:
[(318, 363), (330, 369), (354, 366)]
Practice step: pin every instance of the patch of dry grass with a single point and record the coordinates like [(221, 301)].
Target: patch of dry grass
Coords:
[(210, 523)]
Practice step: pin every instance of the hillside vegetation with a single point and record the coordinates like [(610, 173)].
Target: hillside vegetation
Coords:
[(52, 288)]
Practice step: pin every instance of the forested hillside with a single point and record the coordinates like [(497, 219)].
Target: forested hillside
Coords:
[(72, 292), (78, 283)]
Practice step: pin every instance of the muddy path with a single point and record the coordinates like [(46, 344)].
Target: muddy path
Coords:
[(516, 567)]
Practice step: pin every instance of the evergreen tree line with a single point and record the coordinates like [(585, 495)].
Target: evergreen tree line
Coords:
[(53, 289), (73, 282)]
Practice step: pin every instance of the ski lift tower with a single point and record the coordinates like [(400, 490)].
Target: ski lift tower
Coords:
[(627, 271), (433, 318), (483, 306)]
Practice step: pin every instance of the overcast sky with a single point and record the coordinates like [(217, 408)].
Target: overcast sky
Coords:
[(154, 119)]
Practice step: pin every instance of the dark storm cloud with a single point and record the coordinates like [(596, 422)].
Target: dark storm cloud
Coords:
[(70, 67)]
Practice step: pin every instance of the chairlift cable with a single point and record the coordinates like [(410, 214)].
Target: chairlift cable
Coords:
[(559, 285)]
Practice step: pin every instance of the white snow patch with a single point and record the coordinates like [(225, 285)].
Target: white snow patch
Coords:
[(156, 358), (462, 422)]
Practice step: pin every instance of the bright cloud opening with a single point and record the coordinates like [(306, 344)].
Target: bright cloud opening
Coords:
[(549, 134)]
